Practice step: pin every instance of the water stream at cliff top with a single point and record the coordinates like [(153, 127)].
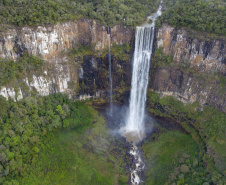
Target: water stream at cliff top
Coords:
[(134, 129)]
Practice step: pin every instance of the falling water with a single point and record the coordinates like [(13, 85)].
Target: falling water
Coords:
[(110, 72), (141, 65), (134, 129)]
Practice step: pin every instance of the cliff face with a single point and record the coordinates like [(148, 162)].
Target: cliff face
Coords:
[(49, 42), (197, 70), (196, 73)]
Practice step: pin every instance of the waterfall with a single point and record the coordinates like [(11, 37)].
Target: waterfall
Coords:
[(140, 75), (134, 129), (110, 72), (144, 38)]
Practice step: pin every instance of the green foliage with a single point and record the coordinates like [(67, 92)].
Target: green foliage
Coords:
[(76, 54), (11, 70), (72, 157), (223, 81), (123, 180), (121, 52), (24, 123), (210, 122), (170, 160), (201, 15), (80, 51), (109, 12), (160, 59), (36, 12), (207, 127)]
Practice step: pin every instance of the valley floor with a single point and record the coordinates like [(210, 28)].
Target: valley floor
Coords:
[(92, 154)]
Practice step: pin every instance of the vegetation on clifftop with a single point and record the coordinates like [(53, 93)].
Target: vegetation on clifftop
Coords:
[(201, 15), (108, 12)]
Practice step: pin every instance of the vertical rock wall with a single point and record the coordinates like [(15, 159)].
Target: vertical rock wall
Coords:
[(197, 71), (49, 42)]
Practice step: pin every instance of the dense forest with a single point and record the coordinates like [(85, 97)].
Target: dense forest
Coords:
[(24, 123), (108, 12), (201, 15)]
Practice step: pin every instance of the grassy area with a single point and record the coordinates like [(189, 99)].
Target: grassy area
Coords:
[(207, 127), (77, 157), (209, 122), (24, 124), (174, 158)]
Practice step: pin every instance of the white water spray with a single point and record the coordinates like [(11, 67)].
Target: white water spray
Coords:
[(135, 127), (135, 179), (141, 64)]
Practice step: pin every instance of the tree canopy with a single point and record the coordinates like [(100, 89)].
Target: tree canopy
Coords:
[(108, 12), (201, 15), (24, 123)]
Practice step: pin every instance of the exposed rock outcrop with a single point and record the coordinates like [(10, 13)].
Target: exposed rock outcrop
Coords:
[(49, 42), (195, 74), (197, 68)]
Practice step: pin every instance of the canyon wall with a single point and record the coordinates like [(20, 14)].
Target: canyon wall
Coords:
[(197, 71), (49, 42)]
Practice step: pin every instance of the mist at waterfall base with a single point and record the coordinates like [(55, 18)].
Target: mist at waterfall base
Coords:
[(132, 119), (129, 120), (115, 122), (144, 39), (116, 119)]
